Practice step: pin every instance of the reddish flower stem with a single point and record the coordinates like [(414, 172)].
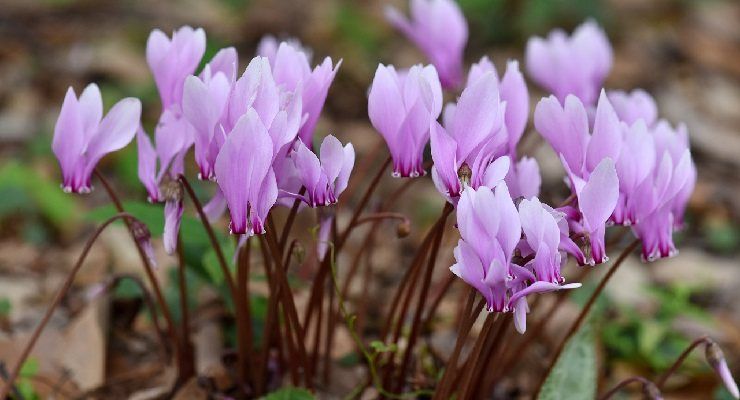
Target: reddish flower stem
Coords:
[(291, 218), (466, 322), (416, 324), (149, 270), (245, 348), (212, 236), (187, 354), (647, 386), (317, 288), (585, 311), (55, 303), (660, 383), (282, 288)]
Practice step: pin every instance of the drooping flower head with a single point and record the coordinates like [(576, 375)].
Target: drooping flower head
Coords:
[(82, 136), (245, 176), (204, 105), (659, 201), (571, 65), (324, 177), (481, 131), (490, 229), (172, 60), (589, 160), (291, 67), (633, 106), (401, 108), (438, 28)]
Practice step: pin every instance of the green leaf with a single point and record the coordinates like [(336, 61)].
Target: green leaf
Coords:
[(30, 367), (574, 374), (290, 393), (381, 347), (55, 205), (5, 306)]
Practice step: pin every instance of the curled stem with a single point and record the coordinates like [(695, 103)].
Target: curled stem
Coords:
[(681, 359), (648, 387), (55, 303)]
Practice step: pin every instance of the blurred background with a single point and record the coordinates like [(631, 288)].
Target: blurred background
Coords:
[(686, 53)]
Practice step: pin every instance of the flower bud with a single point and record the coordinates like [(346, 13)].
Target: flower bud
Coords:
[(403, 229), (651, 391), (716, 359), (143, 237)]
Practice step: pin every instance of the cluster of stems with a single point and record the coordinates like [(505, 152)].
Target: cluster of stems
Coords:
[(302, 346)]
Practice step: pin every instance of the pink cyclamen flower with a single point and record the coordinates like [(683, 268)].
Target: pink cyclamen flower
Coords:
[(172, 60), (490, 229), (173, 138), (566, 128), (82, 136), (245, 176), (291, 67), (542, 234), (438, 28), (401, 108), (633, 106), (279, 110), (513, 91), (571, 65), (524, 178), (597, 197), (716, 359), (324, 177), (660, 200), (204, 103), (474, 135)]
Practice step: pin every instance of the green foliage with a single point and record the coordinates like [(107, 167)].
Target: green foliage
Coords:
[(653, 341), (24, 191), (575, 373), (358, 30), (722, 236), (290, 393), (5, 306), (29, 369), (380, 347), (514, 20)]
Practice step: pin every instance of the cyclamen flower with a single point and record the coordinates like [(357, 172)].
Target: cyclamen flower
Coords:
[(633, 106), (660, 199), (173, 139), (513, 91), (401, 108), (324, 177), (291, 68), (245, 176), (172, 60), (571, 65), (490, 230), (438, 28), (524, 178), (82, 136), (485, 124), (596, 199), (204, 103)]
